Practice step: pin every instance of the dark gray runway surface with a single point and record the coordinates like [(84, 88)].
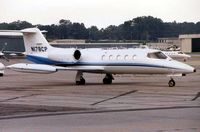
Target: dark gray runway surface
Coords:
[(174, 120), (133, 102)]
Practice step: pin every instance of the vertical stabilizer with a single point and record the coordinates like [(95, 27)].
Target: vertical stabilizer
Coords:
[(34, 41)]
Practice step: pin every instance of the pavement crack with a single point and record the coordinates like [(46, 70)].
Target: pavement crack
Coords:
[(123, 94), (25, 96), (95, 111), (196, 97)]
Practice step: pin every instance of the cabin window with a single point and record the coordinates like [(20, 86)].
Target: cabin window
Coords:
[(126, 57), (103, 57), (133, 57), (111, 57), (118, 57), (157, 55)]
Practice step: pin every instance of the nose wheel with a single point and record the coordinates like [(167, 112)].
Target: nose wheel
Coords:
[(171, 83)]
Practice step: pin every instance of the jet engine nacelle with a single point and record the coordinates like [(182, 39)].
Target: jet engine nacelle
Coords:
[(69, 55)]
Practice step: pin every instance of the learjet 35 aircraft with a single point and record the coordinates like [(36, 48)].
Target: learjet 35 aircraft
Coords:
[(177, 55), (104, 61)]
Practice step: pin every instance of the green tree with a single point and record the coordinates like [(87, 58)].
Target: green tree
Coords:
[(79, 31), (140, 28), (94, 33)]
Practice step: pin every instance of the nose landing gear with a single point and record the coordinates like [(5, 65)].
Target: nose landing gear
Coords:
[(171, 83)]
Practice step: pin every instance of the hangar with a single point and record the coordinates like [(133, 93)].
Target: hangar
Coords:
[(12, 41), (190, 42)]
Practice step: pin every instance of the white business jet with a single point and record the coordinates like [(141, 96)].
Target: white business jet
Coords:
[(177, 55), (111, 61), (173, 54)]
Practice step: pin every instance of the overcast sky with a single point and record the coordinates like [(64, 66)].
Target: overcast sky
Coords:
[(101, 13)]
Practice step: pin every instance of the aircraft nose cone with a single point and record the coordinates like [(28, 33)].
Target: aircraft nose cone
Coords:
[(195, 70)]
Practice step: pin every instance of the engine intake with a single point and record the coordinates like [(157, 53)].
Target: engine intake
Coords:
[(77, 54)]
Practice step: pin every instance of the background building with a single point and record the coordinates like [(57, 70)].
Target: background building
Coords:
[(95, 45), (172, 40), (190, 42), (164, 43), (12, 41), (68, 41)]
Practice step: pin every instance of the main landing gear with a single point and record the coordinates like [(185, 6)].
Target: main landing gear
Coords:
[(108, 79), (171, 83), (1, 74), (81, 81), (79, 78)]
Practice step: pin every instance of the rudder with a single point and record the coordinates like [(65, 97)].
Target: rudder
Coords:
[(34, 41)]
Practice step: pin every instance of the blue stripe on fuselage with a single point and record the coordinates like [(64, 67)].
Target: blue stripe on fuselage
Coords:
[(43, 60), (40, 60)]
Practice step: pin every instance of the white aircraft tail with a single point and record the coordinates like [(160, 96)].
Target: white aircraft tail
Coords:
[(34, 41)]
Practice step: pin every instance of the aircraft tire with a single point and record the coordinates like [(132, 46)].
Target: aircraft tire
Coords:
[(1, 74), (107, 81), (171, 83), (81, 82)]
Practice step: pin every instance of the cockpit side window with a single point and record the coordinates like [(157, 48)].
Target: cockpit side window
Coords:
[(157, 55)]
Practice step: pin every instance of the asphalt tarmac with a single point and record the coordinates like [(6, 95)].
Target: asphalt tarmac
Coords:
[(52, 102)]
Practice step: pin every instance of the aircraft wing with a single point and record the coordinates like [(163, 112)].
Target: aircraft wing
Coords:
[(41, 68), (81, 68)]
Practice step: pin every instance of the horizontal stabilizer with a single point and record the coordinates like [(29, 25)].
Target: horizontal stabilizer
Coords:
[(29, 30)]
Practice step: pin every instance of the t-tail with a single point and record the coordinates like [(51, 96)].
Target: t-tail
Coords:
[(39, 51), (35, 42)]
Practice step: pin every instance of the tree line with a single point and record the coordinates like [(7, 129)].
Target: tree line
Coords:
[(146, 28)]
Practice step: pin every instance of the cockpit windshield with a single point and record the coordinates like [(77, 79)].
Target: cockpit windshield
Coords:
[(157, 55), (180, 52)]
